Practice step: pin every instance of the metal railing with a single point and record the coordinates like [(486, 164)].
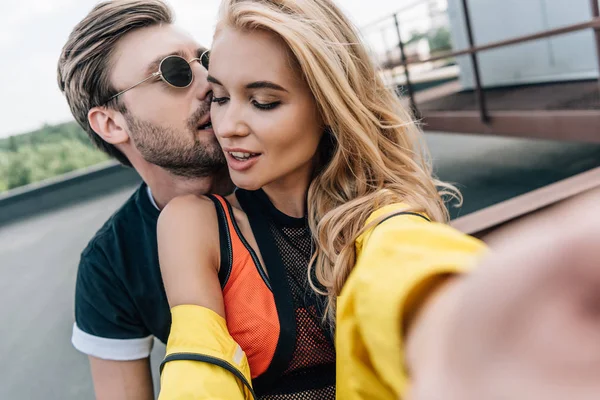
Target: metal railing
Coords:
[(473, 50)]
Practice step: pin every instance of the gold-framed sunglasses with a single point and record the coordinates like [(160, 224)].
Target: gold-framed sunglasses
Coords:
[(174, 70)]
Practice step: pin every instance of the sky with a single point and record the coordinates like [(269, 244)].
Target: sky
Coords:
[(33, 32)]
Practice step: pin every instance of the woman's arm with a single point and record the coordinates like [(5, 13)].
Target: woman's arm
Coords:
[(399, 264), (203, 361), (188, 250), (525, 324)]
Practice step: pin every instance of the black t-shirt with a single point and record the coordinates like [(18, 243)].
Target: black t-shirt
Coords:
[(120, 300)]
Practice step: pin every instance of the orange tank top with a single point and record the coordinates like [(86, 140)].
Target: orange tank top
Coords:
[(250, 308), (276, 335)]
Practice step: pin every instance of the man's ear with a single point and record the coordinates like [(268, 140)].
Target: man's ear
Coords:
[(108, 124)]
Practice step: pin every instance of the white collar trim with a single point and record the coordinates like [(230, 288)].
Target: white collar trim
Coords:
[(149, 191)]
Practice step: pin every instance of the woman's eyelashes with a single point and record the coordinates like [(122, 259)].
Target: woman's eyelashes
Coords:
[(265, 106), (219, 100), (261, 106)]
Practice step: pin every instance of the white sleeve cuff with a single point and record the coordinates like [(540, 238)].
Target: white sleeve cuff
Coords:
[(111, 349)]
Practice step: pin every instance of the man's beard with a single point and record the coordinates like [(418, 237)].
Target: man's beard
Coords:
[(180, 153)]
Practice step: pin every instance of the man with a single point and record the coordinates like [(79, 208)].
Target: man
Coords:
[(151, 112)]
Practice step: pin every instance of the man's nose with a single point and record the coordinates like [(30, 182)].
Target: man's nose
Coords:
[(201, 85)]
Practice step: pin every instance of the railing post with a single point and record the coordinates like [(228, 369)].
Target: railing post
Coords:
[(596, 14), (411, 94), (478, 89), (388, 58)]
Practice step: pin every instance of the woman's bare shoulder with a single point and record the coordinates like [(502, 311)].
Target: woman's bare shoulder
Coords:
[(188, 250), (187, 210), (187, 221)]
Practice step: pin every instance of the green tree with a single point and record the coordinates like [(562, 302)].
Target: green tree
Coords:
[(47, 152), (415, 36), (19, 172), (12, 144), (440, 40), (4, 162)]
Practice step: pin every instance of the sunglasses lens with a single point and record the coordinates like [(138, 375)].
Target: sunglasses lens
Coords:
[(204, 59), (176, 71)]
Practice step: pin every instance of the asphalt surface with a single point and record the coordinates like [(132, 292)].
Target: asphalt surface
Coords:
[(39, 255)]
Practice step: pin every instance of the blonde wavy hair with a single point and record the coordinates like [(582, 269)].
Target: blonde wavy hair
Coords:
[(376, 156)]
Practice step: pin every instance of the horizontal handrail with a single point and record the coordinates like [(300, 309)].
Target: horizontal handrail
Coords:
[(594, 24), (405, 8)]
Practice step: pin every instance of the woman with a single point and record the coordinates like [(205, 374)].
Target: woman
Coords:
[(306, 120), (318, 147)]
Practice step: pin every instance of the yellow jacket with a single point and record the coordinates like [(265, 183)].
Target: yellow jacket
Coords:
[(203, 361), (396, 260)]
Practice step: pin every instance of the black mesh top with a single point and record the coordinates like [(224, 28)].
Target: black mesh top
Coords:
[(310, 372)]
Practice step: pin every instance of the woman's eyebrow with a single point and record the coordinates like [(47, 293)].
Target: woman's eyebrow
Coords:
[(253, 85), (265, 85), (214, 80)]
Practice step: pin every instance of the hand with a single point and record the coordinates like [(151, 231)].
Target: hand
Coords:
[(526, 324)]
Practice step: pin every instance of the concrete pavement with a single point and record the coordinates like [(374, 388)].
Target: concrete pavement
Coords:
[(39, 255)]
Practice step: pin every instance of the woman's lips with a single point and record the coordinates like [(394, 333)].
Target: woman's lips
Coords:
[(241, 160)]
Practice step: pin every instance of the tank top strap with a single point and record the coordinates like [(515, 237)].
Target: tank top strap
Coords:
[(250, 309), (225, 238), (233, 246)]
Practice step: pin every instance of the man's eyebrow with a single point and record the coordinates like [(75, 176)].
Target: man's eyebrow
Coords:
[(153, 66), (201, 50)]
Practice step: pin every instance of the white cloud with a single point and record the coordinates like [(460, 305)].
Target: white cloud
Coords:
[(27, 12), (196, 17)]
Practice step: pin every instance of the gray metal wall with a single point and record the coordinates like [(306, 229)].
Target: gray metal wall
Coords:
[(560, 58)]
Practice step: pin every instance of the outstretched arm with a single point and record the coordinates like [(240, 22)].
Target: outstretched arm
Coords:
[(525, 324), (400, 263)]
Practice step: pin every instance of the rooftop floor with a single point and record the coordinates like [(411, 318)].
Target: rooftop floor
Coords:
[(576, 95)]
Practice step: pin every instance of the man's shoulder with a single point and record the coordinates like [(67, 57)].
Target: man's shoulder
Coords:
[(122, 226)]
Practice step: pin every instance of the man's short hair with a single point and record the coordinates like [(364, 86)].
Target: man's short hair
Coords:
[(84, 66)]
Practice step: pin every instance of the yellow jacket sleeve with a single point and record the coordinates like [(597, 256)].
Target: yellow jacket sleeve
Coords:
[(396, 260), (203, 361)]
